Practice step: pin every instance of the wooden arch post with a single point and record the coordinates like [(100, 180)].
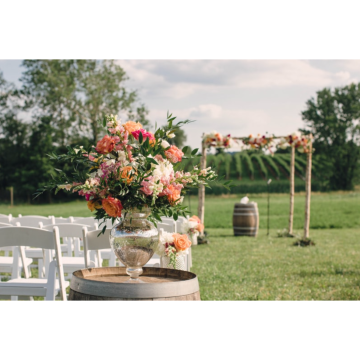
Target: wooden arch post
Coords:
[(308, 190), (201, 206), (292, 189)]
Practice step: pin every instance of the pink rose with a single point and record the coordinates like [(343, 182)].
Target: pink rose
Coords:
[(145, 135)]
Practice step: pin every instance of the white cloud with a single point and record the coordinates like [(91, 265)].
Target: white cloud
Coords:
[(181, 78)]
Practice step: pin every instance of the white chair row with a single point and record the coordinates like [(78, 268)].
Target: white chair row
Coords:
[(48, 240)]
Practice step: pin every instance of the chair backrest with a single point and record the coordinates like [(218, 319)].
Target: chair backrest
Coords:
[(28, 236), (168, 227), (60, 220), (94, 242), (7, 217), (33, 221), (69, 230), (85, 221)]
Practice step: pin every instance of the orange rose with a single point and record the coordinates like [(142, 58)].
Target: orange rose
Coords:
[(112, 206), (173, 194), (181, 242), (174, 154), (125, 174), (200, 226), (106, 144), (94, 204), (132, 126)]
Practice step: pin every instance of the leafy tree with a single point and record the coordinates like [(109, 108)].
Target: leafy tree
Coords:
[(102, 93), (333, 119), (50, 87)]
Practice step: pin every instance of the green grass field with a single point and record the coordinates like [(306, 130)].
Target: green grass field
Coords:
[(267, 267)]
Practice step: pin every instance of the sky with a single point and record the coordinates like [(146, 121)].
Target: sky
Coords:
[(237, 97)]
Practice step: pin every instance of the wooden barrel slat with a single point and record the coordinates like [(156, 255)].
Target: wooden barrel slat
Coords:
[(246, 219), (109, 283)]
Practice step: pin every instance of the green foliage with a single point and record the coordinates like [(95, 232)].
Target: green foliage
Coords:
[(333, 119), (237, 158), (284, 165), (249, 164), (261, 165), (274, 168), (227, 160)]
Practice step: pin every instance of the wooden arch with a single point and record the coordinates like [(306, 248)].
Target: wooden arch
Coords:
[(201, 206)]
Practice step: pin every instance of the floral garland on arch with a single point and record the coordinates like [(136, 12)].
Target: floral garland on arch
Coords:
[(297, 140), (259, 142), (131, 168), (215, 139)]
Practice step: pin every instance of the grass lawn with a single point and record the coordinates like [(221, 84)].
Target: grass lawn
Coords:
[(270, 268), (267, 268)]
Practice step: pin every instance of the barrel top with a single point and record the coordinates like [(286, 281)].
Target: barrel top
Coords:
[(112, 282)]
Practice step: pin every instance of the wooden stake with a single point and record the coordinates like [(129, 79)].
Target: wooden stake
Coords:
[(292, 189), (11, 196), (201, 207), (308, 191)]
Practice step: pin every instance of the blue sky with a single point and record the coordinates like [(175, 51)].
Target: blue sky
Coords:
[(230, 96)]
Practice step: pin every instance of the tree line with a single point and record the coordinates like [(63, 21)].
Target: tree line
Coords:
[(61, 103)]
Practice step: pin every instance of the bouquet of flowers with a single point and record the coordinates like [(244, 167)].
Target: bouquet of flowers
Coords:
[(173, 245), (131, 168), (193, 225), (297, 140), (258, 142), (215, 139)]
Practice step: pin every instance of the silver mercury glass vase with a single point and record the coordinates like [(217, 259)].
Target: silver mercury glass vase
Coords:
[(134, 240)]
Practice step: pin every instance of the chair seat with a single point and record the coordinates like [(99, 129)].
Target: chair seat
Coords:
[(27, 287), (106, 254), (71, 261), (31, 283), (6, 263)]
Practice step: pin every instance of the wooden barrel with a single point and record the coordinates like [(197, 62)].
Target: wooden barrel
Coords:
[(109, 283), (246, 219)]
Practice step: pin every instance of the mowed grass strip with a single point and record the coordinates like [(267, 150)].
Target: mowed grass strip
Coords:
[(271, 268), (338, 210)]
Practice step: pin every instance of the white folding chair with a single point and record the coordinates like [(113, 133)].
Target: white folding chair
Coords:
[(49, 240), (5, 218), (70, 264), (61, 220), (84, 221), (33, 221)]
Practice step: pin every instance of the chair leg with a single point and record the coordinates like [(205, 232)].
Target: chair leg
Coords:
[(50, 288)]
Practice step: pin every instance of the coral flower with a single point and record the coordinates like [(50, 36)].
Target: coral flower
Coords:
[(173, 194), (112, 206), (174, 154), (132, 126), (106, 144), (94, 204), (200, 227), (181, 242), (125, 174)]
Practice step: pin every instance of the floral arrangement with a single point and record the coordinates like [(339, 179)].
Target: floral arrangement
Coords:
[(173, 245), (215, 139), (297, 140), (259, 142), (193, 225), (131, 168)]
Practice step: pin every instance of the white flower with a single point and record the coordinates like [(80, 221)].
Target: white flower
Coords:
[(121, 156), (110, 162), (170, 136), (76, 150), (164, 169), (165, 144)]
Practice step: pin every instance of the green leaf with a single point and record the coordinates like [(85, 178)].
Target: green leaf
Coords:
[(141, 138), (176, 216), (194, 152), (185, 149)]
